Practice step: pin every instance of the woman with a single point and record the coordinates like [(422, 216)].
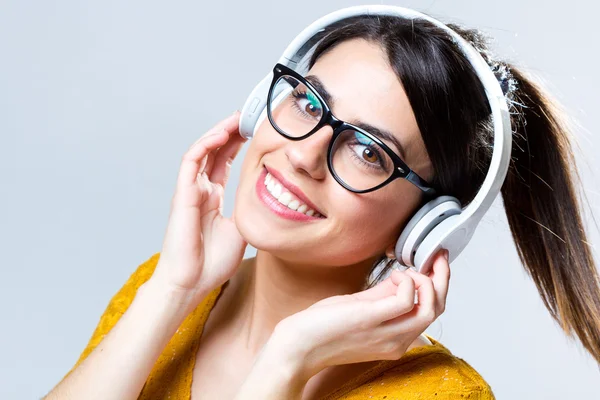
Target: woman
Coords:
[(301, 320)]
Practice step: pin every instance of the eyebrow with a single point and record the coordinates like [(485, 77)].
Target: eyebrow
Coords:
[(380, 133)]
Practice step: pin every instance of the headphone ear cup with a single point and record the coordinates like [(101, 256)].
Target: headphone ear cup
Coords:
[(259, 121), (425, 219), (279, 95), (253, 106)]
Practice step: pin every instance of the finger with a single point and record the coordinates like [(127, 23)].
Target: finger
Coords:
[(233, 134), (398, 303), (399, 276), (440, 275), (230, 123), (396, 275), (224, 158), (382, 289), (426, 306), (195, 159), (218, 128), (331, 300)]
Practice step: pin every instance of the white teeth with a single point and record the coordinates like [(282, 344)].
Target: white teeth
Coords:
[(277, 190), (294, 204), (285, 198)]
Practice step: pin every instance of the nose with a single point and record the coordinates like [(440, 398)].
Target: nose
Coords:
[(309, 156)]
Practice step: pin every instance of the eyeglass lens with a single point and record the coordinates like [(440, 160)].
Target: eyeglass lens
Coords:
[(356, 159)]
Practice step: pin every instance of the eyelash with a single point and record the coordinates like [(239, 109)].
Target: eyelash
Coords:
[(299, 95)]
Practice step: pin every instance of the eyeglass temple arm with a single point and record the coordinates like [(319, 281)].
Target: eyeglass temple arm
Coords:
[(420, 183)]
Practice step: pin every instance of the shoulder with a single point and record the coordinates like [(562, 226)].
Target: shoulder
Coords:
[(120, 302), (123, 298), (117, 306), (426, 372)]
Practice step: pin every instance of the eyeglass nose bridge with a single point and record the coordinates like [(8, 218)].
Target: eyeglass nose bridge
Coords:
[(334, 122)]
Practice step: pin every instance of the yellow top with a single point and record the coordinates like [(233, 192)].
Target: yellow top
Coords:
[(426, 372)]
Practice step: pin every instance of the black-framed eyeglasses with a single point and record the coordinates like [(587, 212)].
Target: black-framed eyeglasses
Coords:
[(358, 160)]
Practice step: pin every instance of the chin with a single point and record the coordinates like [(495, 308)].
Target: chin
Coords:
[(263, 236)]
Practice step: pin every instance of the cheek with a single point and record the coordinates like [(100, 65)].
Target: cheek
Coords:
[(366, 225), (257, 147), (371, 224), (265, 140)]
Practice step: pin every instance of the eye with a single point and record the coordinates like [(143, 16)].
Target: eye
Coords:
[(307, 102), (369, 155), (367, 152)]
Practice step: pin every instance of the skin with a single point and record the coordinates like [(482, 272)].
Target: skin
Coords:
[(351, 237), (357, 74), (285, 278), (295, 318)]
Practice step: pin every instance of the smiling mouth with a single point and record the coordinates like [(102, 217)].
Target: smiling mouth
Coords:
[(286, 198)]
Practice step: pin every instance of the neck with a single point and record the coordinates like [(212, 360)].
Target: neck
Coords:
[(267, 289)]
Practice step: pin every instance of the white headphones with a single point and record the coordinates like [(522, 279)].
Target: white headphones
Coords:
[(440, 223)]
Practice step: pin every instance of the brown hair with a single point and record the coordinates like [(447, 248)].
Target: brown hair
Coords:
[(539, 195)]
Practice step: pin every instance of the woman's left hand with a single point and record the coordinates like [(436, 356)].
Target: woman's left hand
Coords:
[(379, 323)]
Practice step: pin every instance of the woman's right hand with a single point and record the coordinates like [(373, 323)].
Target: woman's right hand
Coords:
[(202, 249)]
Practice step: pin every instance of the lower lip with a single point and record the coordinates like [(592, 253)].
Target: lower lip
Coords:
[(275, 206)]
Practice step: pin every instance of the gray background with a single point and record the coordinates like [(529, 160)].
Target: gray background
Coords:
[(98, 102)]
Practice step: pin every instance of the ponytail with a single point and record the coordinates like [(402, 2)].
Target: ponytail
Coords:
[(544, 215)]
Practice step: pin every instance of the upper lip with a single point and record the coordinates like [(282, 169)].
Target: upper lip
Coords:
[(293, 189)]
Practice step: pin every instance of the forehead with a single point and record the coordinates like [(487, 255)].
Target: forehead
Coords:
[(364, 87)]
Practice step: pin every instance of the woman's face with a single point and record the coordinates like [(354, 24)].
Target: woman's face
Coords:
[(353, 227)]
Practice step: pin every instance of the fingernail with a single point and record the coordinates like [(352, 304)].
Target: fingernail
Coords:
[(235, 112), (446, 254)]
